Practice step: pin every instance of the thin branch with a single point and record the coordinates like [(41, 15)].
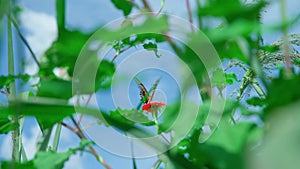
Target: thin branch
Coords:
[(164, 137), (74, 130), (80, 134), (161, 7), (24, 40), (132, 153), (190, 14), (93, 151), (118, 53), (147, 6), (173, 45), (200, 21), (56, 137), (170, 41), (156, 164), (86, 104)]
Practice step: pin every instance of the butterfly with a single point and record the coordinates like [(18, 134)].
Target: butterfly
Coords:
[(146, 98)]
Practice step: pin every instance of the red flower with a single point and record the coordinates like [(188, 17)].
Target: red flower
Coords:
[(153, 106)]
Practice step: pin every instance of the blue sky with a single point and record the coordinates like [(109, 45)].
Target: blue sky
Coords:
[(39, 27)]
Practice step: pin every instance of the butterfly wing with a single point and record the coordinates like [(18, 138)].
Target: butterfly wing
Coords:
[(143, 93)]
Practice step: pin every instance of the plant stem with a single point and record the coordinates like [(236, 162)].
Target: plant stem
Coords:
[(24, 40), (118, 53), (161, 7), (200, 25), (60, 15), (22, 150), (189, 13), (147, 6), (157, 164), (57, 136), (16, 155), (44, 142), (258, 89), (23, 153), (286, 44)]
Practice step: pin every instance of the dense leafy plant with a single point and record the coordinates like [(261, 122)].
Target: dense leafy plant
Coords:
[(234, 144)]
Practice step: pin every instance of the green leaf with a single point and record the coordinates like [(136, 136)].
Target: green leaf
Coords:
[(46, 160), (282, 91), (62, 89), (193, 61), (64, 52), (206, 154), (168, 117), (151, 47), (256, 101), (204, 110), (232, 9), (116, 115), (231, 78), (6, 125), (214, 156), (218, 77), (51, 160), (150, 36), (55, 88), (4, 5), (48, 111), (6, 80), (151, 25), (270, 48), (17, 165), (136, 116), (236, 29), (123, 5), (280, 146), (104, 75), (230, 137)]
